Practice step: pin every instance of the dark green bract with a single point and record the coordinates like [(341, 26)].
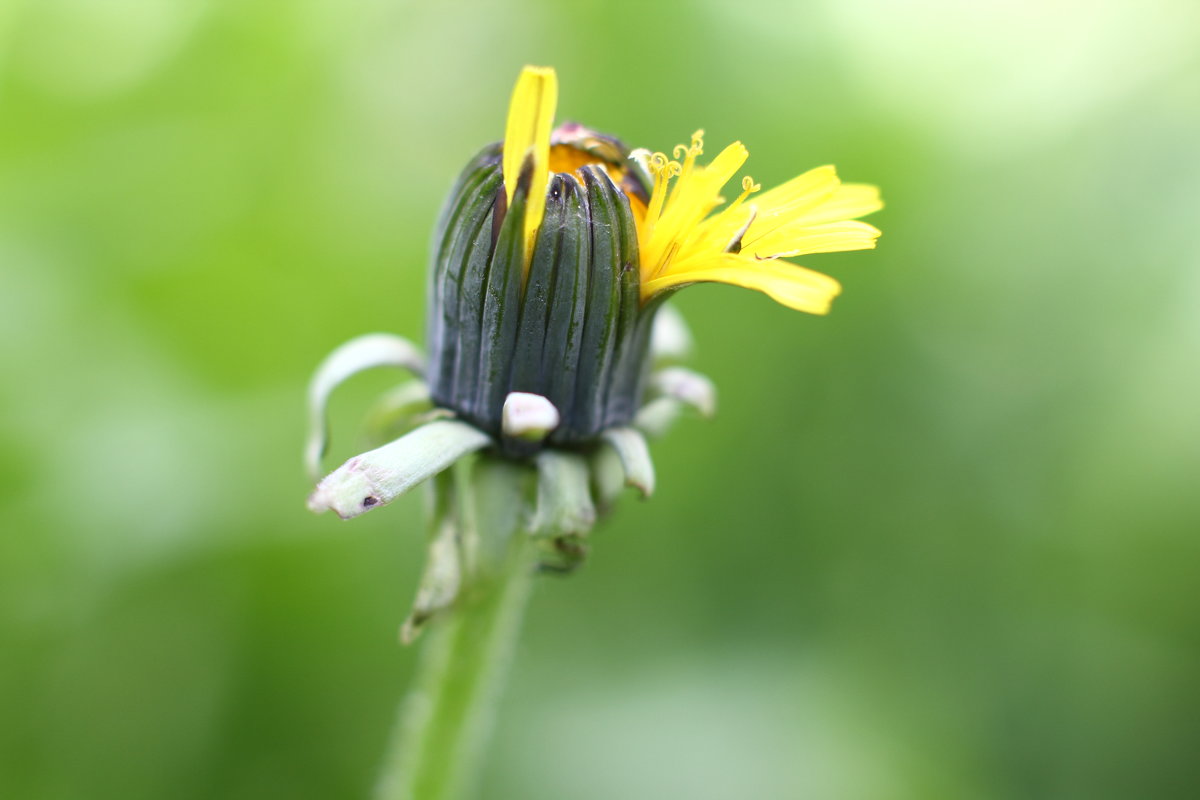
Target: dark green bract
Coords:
[(574, 331)]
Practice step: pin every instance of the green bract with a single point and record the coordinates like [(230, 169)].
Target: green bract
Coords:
[(573, 329)]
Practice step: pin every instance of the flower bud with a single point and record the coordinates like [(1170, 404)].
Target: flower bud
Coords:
[(558, 314)]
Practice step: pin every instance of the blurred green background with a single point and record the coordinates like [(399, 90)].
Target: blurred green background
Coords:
[(940, 544)]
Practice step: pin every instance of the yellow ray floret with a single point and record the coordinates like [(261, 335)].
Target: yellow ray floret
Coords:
[(527, 133), (682, 241)]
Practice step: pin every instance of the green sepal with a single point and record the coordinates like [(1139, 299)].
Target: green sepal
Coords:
[(442, 574), (501, 308), (377, 477), (568, 305), (634, 323), (459, 392), (463, 228), (608, 476), (528, 367), (631, 447), (357, 355), (586, 415), (564, 499)]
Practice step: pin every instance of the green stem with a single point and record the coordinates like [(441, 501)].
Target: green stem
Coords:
[(444, 723)]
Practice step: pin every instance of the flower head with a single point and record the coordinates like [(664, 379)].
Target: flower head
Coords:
[(551, 259), (558, 245), (548, 341)]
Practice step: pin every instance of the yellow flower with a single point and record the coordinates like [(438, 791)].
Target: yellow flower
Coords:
[(684, 236)]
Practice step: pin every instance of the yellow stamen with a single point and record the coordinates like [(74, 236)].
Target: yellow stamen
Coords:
[(663, 170), (689, 154), (527, 134)]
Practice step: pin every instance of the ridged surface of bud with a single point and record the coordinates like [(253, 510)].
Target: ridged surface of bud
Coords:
[(571, 327)]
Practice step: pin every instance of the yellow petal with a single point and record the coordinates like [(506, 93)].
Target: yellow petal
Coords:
[(797, 239), (530, 117), (848, 201), (785, 205), (801, 192), (791, 285)]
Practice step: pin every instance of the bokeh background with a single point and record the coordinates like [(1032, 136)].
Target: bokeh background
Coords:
[(944, 543)]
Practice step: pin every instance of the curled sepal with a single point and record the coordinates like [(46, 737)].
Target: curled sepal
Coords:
[(358, 354), (673, 391), (564, 500), (670, 339), (658, 416), (690, 388), (441, 578), (379, 476), (635, 457), (608, 476)]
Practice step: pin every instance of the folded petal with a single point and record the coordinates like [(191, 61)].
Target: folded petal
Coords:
[(530, 118)]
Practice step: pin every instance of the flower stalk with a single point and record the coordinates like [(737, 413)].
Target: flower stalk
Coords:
[(443, 724)]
